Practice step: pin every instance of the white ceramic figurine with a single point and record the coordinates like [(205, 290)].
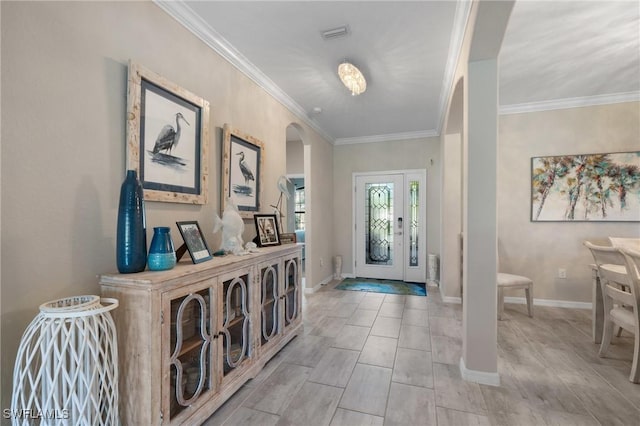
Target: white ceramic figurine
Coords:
[(232, 227)]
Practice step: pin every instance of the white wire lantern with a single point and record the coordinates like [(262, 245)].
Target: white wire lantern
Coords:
[(66, 369)]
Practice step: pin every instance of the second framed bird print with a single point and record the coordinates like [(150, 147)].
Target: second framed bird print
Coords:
[(242, 160), (167, 138)]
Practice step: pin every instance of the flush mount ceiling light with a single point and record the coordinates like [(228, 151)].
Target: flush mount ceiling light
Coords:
[(352, 78)]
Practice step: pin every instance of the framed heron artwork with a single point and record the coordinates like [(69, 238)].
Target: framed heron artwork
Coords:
[(167, 138), (242, 158)]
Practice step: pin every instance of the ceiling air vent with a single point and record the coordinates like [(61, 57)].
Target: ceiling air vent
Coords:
[(335, 33)]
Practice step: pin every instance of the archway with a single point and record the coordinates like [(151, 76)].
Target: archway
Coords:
[(452, 199), (298, 211)]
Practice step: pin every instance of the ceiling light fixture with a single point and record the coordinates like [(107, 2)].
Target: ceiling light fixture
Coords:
[(352, 78)]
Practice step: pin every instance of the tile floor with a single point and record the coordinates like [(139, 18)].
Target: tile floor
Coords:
[(376, 359)]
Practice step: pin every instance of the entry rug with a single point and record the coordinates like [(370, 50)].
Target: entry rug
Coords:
[(382, 286)]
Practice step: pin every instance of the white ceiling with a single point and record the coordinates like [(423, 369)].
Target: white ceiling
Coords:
[(555, 54)]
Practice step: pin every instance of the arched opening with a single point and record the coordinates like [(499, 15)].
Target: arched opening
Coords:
[(298, 212), (452, 170)]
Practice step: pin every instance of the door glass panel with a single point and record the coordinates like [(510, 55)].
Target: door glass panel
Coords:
[(414, 187), (269, 280), (235, 329), (190, 349), (379, 223), (291, 291)]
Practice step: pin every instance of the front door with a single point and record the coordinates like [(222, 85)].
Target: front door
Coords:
[(390, 226)]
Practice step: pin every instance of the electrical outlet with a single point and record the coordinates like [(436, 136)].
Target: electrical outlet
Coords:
[(562, 273), (321, 262)]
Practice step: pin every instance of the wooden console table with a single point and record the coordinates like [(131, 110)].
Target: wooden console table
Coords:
[(190, 337)]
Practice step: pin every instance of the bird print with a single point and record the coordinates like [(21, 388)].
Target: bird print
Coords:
[(169, 137), (244, 168)]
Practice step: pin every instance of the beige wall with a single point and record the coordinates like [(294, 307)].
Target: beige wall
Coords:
[(451, 217), (371, 157), (295, 158), (538, 249), (64, 70)]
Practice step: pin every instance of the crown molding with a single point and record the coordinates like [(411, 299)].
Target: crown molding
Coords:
[(387, 138), (566, 103), (182, 13), (460, 19)]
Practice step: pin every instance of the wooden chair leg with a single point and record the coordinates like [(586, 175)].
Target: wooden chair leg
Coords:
[(607, 334), (635, 369), (529, 295), (500, 303)]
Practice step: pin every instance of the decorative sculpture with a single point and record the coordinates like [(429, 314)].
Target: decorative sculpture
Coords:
[(283, 183), (232, 227)]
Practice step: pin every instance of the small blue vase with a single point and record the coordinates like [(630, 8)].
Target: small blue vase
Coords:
[(131, 242), (162, 255)]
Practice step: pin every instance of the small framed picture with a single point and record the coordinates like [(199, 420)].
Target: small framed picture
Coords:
[(194, 241), (267, 230)]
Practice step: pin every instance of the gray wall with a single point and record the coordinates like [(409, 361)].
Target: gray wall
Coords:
[(538, 249), (64, 71), (371, 157)]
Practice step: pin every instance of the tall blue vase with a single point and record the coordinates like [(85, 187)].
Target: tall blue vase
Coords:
[(162, 255), (131, 244)]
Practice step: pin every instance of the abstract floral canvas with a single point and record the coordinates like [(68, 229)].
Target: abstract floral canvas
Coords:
[(586, 187)]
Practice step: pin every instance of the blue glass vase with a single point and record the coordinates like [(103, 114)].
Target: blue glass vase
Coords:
[(162, 255), (131, 243)]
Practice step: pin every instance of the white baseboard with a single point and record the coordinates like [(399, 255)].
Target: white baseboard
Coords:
[(348, 275), (452, 299), (311, 290), (539, 302), (550, 302), (481, 377)]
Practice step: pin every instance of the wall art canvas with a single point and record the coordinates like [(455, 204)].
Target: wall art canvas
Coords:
[(242, 157), (167, 138), (586, 187)]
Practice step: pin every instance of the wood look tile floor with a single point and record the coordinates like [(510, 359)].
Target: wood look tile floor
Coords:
[(376, 359)]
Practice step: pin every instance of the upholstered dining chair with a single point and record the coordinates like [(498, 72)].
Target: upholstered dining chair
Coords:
[(510, 281), (620, 292)]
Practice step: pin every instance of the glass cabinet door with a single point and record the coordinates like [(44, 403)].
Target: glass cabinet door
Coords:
[(235, 332), (190, 360), (269, 303), (291, 290)]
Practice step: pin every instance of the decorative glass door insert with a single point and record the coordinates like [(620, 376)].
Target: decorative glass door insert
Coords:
[(191, 348), (235, 326), (291, 290), (269, 301), (378, 223), (414, 187)]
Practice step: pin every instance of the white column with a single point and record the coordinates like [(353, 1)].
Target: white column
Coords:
[(479, 349)]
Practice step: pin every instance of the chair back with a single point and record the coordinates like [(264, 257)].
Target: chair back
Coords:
[(605, 255), (612, 271), (623, 242)]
